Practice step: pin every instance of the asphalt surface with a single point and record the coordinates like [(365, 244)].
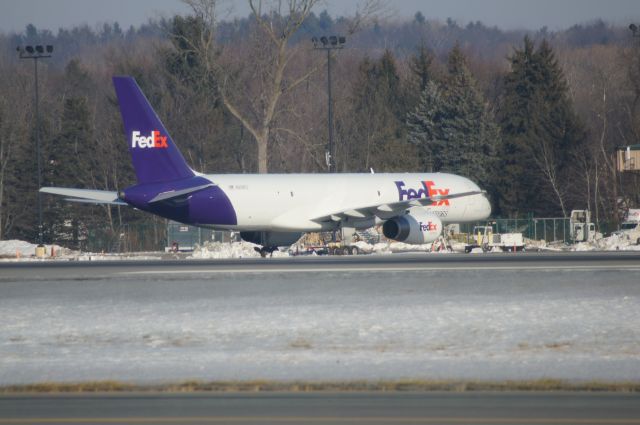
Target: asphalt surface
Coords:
[(394, 262), (316, 408), (323, 408)]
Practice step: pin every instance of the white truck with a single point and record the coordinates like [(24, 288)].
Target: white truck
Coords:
[(582, 229), (630, 227)]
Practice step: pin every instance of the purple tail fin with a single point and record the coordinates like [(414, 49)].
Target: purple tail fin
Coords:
[(155, 157)]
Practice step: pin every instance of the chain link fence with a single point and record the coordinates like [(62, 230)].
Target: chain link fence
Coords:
[(159, 236), (550, 229), (125, 238), (148, 236)]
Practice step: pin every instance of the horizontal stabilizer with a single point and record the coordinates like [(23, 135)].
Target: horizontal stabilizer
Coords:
[(177, 193), (85, 195)]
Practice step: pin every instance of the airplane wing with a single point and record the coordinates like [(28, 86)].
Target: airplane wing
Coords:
[(386, 209), (89, 196)]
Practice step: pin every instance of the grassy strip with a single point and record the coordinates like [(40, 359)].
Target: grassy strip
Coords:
[(350, 386)]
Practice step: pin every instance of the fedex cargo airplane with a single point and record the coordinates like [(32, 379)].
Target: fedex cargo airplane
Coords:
[(274, 210)]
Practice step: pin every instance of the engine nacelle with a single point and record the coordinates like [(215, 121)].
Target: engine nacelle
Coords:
[(416, 227)]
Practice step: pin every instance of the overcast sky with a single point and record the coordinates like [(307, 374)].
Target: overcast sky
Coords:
[(506, 14)]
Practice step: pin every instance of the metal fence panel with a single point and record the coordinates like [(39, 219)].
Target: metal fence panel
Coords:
[(549, 229)]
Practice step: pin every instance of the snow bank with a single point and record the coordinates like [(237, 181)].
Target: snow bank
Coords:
[(241, 249), (14, 249), (615, 242), (392, 247)]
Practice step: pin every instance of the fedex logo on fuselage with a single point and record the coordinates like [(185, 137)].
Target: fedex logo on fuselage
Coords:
[(155, 140), (428, 227), (428, 189)]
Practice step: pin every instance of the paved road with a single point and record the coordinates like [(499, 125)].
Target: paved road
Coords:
[(395, 262), (323, 408)]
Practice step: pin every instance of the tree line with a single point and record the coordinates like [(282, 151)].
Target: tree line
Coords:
[(534, 118)]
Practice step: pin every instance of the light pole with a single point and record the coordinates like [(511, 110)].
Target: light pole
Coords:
[(329, 43), (35, 53), (636, 33)]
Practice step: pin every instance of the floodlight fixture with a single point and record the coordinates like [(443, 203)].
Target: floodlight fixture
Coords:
[(35, 52)]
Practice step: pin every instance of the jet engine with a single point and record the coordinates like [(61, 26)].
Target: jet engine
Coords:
[(416, 227)]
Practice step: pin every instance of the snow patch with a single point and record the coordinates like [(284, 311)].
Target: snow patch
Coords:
[(615, 242), (242, 249), (16, 249)]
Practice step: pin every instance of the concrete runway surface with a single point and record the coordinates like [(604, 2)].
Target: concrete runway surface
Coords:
[(323, 408), (394, 262)]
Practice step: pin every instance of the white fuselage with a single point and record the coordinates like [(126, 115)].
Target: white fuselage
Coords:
[(293, 202)]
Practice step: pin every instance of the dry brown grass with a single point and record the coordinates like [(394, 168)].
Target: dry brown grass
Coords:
[(350, 386)]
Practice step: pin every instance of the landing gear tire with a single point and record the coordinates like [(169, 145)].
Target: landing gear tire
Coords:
[(355, 250), (263, 251)]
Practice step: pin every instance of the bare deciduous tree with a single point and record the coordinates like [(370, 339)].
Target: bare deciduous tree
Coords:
[(272, 54)]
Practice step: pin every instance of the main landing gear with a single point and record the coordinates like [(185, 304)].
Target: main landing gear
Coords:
[(263, 251)]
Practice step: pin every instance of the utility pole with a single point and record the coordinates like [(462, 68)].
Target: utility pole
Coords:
[(35, 53), (329, 43)]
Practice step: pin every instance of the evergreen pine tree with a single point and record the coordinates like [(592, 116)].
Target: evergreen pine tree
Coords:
[(70, 159), (420, 65), (379, 107), (424, 127), (539, 131), (471, 131), (453, 127)]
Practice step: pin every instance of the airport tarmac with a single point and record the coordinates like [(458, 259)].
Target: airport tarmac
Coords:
[(322, 408), (611, 261), (494, 317)]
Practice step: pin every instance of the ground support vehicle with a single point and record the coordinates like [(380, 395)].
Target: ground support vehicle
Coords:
[(484, 238), (630, 228)]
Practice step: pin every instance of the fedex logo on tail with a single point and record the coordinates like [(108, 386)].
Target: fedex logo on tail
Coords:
[(428, 189), (155, 140)]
